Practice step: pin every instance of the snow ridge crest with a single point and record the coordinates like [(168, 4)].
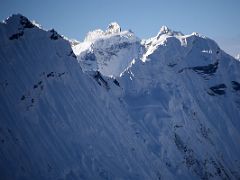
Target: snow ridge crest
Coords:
[(164, 30)]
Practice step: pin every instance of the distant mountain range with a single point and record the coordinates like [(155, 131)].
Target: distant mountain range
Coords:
[(115, 106)]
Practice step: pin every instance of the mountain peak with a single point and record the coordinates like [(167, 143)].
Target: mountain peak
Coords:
[(113, 28), (14, 17), (20, 21), (165, 30), (167, 108), (237, 57)]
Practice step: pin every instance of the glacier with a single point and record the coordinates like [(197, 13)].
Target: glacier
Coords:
[(115, 106)]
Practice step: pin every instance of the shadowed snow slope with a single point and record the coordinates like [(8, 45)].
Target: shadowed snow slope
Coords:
[(163, 108)]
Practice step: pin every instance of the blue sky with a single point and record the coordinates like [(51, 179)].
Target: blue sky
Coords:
[(217, 19)]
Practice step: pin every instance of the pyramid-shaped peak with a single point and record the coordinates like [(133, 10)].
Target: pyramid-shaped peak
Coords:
[(113, 28), (165, 30), (15, 18), (20, 21)]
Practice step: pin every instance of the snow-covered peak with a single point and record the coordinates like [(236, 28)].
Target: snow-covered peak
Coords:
[(237, 57), (162, 36), (175, 116), (18, 22), (113, 28), (108, 52), (164, 30), (177, 44), (14, 18), (112, 51), (94, 35)]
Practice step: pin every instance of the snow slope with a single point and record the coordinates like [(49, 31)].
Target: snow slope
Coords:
[(185, 93), (56, 121), (124, 108)]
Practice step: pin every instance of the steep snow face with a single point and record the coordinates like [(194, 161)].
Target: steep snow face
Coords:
[(184, 92), (170, 112), (108, 52), (56, 121)]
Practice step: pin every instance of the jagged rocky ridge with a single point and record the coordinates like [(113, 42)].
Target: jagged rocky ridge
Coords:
[(115, 106)]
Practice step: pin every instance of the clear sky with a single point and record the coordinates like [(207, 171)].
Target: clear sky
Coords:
[(217, 19)]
